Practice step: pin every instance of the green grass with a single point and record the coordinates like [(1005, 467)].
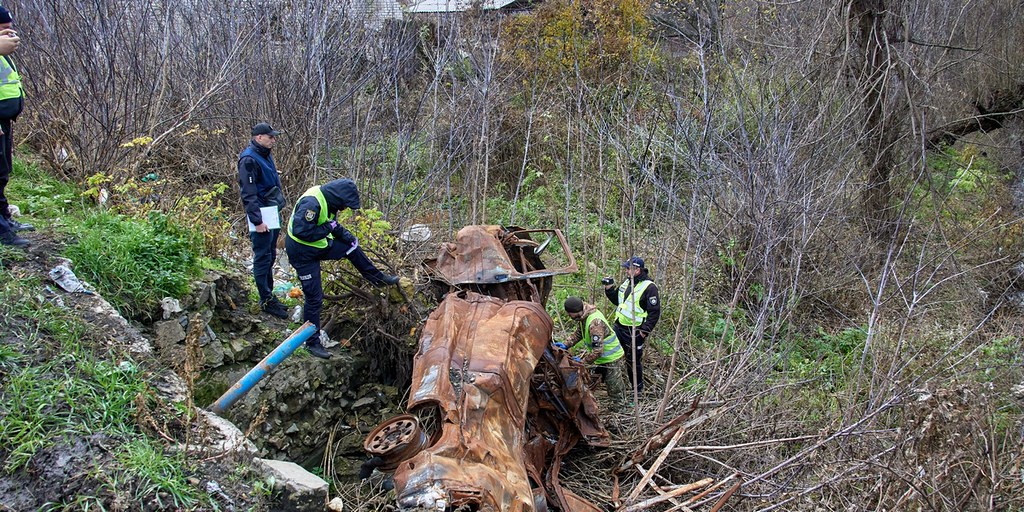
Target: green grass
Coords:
[(134, 263), (157, 474), (69, 386), (40, 195), (69, 391)]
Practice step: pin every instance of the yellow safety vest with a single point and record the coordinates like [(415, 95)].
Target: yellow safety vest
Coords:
[(319, 195), (611, 349), (10, 80), (629, 312)]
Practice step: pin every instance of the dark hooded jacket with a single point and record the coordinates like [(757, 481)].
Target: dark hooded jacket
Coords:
[(339, 194)]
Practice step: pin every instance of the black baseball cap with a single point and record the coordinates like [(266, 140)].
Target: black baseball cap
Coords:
[(264, 129), (635, 261)]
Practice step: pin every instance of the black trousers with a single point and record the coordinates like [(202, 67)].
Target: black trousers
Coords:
[(629, 337), (306, 262), (6, 164), (264, 254)]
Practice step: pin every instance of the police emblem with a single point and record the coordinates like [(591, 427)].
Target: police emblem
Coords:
[(310, 215), (654, 301)]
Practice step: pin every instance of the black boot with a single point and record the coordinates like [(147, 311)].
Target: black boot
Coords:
[(318, 350), (20, 226), (274, 307), (9, 238)]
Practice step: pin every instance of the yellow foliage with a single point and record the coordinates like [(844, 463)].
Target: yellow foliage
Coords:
[(138, 142), (592, 37)]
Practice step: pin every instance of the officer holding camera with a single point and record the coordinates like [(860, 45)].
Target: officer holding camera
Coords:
[(637, 310)]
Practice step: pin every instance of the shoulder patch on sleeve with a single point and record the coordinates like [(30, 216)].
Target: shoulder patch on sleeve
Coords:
[(654, 301), (309, 216)]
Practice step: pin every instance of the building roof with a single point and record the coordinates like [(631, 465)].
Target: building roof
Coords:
[(455, 5)]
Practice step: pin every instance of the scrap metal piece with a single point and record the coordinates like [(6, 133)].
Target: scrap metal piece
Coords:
[(395, 440), (493, 254), (475, 362), (508, 408)]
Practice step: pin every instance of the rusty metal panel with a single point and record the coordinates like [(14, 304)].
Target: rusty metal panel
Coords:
[(508, 405), (477, 355), (493, 254)]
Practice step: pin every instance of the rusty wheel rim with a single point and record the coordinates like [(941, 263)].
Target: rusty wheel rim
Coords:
[(396, 440)]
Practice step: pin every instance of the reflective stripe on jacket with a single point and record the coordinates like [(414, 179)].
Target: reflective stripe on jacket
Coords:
[(611, 349), (319, 195), (629, 312)]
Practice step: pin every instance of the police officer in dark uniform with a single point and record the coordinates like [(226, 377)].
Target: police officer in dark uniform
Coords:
[(261, 187), (637, 310), (314, 235)]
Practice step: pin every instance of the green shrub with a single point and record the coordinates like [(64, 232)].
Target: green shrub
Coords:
[(135, 263)]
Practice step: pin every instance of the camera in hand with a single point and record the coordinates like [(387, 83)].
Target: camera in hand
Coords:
[(606, 280)]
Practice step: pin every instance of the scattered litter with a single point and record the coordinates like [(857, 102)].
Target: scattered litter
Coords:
[(213, 488), (336, 505), (67, 280), (326, 340), (14, 210), (56, 299), (283, 289), (416, 233), (297, 314), (170, 306)]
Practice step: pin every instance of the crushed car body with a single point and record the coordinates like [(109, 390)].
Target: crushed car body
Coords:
[(505, 407)]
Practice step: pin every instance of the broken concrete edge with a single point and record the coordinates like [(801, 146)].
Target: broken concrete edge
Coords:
[(302, 490)]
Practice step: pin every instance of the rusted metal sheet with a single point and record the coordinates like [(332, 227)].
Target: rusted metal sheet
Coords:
[(494, 254), (508, 407), (476, 357)]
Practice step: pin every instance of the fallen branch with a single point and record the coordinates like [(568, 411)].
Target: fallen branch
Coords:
[(657, 463), (669, 495)]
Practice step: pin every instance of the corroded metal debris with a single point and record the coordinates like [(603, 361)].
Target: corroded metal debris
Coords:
[(508, 408)]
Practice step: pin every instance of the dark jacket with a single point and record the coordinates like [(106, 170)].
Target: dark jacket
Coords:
[(649, 301), (339, 194), (257, 179)]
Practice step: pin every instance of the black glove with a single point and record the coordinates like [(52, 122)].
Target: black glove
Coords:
[(343, 235)]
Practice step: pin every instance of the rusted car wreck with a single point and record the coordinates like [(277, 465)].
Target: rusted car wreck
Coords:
[(503, 405)]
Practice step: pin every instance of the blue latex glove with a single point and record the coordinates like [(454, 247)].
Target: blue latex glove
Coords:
[(577, 359), (560, 345), (333, 224)]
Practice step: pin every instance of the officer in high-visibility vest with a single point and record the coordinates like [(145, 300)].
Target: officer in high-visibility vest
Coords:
[(11, 103), (595, 343), (314, 235), (637, 310)]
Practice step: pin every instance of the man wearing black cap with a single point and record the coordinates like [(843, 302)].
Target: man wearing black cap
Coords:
[(11, 102), (596, 343), (314, 235), (260, 187), (637, 311)]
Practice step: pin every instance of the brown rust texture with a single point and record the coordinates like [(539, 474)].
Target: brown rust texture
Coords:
[(508, 406), (476, 357)]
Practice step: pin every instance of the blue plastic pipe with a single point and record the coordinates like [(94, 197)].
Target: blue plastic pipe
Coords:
[(268, 363)]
